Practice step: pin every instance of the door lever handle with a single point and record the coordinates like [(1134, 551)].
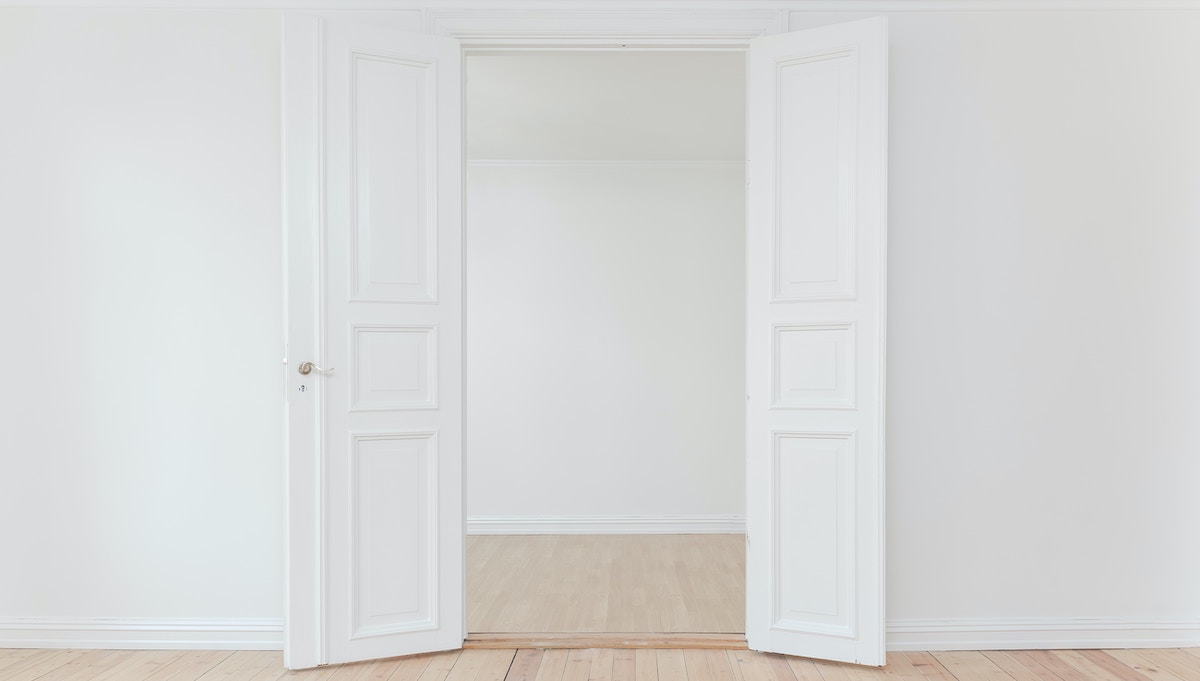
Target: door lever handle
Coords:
[(307, 368)]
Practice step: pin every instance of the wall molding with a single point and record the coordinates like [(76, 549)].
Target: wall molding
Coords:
[(606, 524), (142, 634), (267, 633), (682, 6), (902, 635), (1041, 634)]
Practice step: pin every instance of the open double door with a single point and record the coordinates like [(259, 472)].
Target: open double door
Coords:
[(374, 222)]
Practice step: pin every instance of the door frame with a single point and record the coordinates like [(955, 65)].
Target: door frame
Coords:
[(302, 226)]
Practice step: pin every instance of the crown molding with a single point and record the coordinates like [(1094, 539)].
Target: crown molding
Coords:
[(680, 6)]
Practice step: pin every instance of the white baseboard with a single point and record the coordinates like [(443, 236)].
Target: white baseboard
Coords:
[(1041, 634), (606, 524), (142, 634), (904, 635)]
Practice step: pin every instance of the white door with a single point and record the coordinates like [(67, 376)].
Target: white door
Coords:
[(817, 224), (373, 137)]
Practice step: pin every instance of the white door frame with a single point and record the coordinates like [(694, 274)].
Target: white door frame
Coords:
[(551, 30)]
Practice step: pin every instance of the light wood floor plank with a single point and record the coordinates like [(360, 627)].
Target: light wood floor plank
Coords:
[(832, 671), (467, 666), (1174, 661), (439, 667), (249, 666), (409, 668), (804, 669), (11, 656), (34, 666), (970, 665), (138, 665), (735, 668), (553, 664), (780, 669), (900, 669), (697, 665), (623, 665), (645, 665), (606, 664), (861, 673), (718, 665), (496, 665), (90, 663), (929, 667), (1023, 658), (383, 670), (602, 665), (579, 664), (189, 666), (1057, 665), (750, 666), (671, 665), (1113, 666), (375, 670), (755, 666), (1012, 667), (1182, 657), (525, 665), (1142, 665), (1089, 668), (606, 583), (481, 665)]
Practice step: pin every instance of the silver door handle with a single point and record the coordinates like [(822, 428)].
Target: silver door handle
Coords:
[(307, 368)]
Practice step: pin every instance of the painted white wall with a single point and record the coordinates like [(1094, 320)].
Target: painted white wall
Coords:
[(1044, 315), (668, 106), (606, 289), (605, 342), (1044, 310), (140, 282)]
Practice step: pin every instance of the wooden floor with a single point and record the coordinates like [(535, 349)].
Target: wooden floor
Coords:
[(604, 665), (606, 583)]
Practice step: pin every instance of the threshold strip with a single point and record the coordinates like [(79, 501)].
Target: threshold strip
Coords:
[(606, 640)]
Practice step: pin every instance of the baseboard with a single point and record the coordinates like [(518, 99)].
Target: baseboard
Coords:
[(903, 635), (607, 524), (142, 634), (1041, 634)]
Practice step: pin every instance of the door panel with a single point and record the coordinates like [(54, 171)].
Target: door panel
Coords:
[(389, 415), (817, 227)]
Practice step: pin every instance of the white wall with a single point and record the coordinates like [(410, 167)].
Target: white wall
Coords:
[(1044, 316), (1044, 311), (140, 282), (614, 106), (605, 370)]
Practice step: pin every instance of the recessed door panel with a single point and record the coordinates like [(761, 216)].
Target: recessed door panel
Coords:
[(814, 231), (394, 532), (393, 101)]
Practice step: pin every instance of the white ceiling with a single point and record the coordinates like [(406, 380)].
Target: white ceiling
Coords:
[(606, 106)]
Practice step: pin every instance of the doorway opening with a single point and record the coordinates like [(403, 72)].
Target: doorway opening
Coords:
[(605, 344)]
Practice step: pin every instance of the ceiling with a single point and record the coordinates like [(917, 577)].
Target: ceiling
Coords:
[(606, 106)]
